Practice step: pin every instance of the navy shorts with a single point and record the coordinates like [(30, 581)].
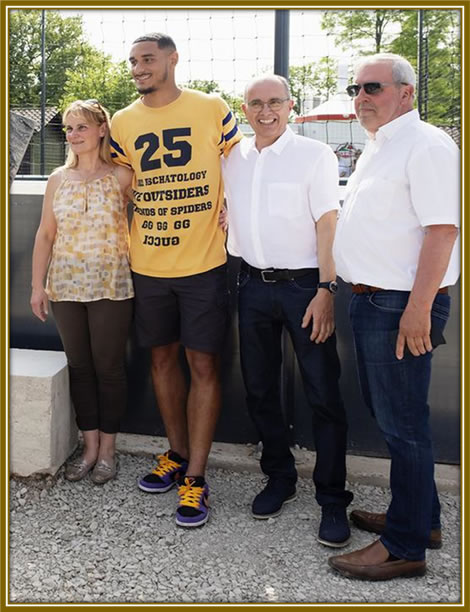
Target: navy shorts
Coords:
[(192, 310)]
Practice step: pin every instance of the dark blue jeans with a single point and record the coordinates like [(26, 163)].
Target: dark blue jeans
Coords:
[(264, 308), (396, 392)]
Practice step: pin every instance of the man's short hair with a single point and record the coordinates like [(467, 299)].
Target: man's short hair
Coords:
[(275, 77), (402, 70), (162, 40)]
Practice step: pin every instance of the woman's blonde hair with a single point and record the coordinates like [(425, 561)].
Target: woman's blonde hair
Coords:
[(93, 112)]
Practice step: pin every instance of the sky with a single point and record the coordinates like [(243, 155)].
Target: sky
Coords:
[(227, 46)]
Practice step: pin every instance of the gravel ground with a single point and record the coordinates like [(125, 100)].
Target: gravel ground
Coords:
[(78, 542)]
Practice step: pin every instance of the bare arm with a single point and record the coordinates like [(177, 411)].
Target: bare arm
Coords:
[(415, 323), (320, 311), (42, 249), (124, 176)]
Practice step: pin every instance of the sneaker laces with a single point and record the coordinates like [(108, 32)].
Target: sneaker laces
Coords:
[(190, 495), (165, 465)]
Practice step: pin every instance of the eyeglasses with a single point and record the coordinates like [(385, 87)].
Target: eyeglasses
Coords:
[(275, 104), (370, 88)]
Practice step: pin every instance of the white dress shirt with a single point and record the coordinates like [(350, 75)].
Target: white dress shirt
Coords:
[(407, 178), (275, 196)]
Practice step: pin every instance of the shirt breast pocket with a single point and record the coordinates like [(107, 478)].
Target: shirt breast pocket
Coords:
[(284, 200)]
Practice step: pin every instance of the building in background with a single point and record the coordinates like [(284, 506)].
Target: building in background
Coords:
[(54, 141)]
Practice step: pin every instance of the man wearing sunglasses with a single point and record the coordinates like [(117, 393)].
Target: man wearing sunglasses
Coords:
[(396, 244), (282, 193)]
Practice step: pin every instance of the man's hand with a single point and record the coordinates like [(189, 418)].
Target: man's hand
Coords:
[(415, 323), (223, 218), (414, 332), (40, 303), (320, 312)]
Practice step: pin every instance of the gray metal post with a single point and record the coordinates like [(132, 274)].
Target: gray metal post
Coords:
[(43, 94), (425, 82), (281, 43), (420, 61), (281, 67)]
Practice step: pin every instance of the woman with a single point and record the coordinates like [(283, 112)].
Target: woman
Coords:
[(82, 245)]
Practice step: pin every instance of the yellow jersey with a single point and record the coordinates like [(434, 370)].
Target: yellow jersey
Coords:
[(177, 188)]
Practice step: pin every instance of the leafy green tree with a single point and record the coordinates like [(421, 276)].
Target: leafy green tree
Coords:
[(203, 85), (65, 46), (74, 68), (98, 77), (316, 79), (396, 31), (360, 29), (441, 50)]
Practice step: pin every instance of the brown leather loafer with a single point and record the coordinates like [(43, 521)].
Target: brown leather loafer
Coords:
[(373, 563), (375, 523)]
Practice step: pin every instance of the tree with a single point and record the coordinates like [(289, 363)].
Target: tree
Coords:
[(65, 45), (441, 48), (203, 85), (356, 28), (100, 78), (317, 79), (396, 31), (74, 69)]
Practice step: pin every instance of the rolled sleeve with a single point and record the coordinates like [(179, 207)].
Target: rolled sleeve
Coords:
[(434, 179)]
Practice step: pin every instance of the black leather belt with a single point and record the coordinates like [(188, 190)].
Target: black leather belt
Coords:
[(272, 275)]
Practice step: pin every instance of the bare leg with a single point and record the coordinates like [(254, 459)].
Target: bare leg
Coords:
[(107, 447), (170, 390), (91, 439), (203, 408)]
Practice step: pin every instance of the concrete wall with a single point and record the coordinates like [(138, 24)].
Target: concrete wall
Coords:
[(234, 424)]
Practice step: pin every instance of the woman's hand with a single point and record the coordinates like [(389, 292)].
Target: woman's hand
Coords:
[(40, 303)]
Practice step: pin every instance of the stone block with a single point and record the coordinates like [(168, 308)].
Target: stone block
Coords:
[(43, 432)]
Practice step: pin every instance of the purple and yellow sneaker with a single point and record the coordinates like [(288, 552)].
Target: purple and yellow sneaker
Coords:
[(169, 470), (193, 507)]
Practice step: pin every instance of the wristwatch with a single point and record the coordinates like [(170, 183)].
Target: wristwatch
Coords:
[(331, 286)]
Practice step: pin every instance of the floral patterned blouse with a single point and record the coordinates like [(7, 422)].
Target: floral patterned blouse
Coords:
[(90, 253)]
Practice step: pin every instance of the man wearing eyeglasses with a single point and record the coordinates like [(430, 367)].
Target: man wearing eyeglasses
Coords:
[(282, 193), (396, 244)]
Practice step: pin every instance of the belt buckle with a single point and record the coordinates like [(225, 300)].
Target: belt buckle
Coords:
[(264, 279)]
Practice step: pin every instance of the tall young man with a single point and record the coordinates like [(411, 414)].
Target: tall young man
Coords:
[(173, 139)]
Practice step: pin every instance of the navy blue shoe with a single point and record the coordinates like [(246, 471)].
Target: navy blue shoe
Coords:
[(272, 498), (334, 526)]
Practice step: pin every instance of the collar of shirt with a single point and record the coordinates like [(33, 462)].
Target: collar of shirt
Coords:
[(388, 131), (278, 145)]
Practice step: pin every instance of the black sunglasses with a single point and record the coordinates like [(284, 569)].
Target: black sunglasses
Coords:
[(370, 88)]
